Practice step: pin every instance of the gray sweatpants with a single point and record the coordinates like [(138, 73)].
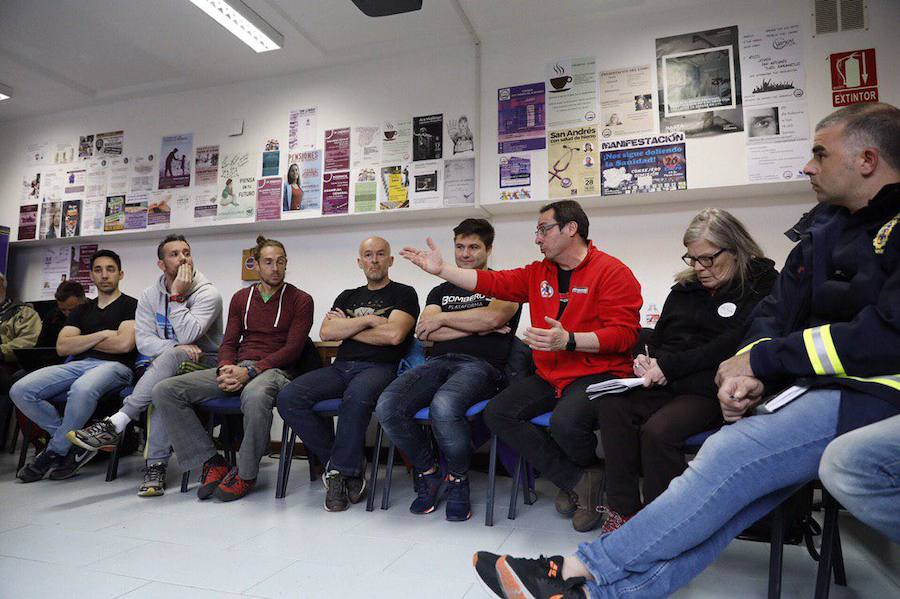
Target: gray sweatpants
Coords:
[(163, 366), (174, 399)]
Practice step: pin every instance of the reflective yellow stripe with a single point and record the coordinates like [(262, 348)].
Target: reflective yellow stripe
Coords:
[(748, 347), (832, 350), (890, 380), (811, 352)]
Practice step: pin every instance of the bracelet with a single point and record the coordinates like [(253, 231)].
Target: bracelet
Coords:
[(570, 346)]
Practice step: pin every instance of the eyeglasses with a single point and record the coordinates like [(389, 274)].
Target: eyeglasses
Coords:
[(705, 261), (543, 229)]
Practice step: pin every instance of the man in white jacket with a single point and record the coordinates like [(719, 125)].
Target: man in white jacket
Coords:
[(179, 319)]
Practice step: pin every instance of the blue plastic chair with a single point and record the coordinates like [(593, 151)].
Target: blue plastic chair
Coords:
[(218, 410)]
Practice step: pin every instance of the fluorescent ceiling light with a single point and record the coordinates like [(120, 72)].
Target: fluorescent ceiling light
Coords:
[(5, 92), (240, 20)]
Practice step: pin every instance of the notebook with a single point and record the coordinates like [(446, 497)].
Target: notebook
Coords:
[(775, 402), (613, 386)]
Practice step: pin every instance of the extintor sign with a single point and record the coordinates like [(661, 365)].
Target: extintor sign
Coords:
[(854, 79)]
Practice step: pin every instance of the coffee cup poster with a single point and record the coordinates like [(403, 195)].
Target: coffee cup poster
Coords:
[(571, 92)]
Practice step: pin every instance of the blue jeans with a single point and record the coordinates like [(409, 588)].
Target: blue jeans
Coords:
[(861, 469), (450, 384), (86, 380), (358, 384), (740, 474)]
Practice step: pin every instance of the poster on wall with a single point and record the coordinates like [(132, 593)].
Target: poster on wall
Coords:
[(772, 68), (777, 142), (37, 153), (71, 218), (95, 180), (336, 193), (626, 102), (854, 78), (337, 149), (118, 175), (28, 216), (52, 181), (237, 187), (50, 220), (114, 219), (74, 182), (93, 214), (393, 193), (159, 207), (206, 166), (202, 208), (271, 158), (571, 92), (30, 191), (364, 190), (136, 206), (427, 184), (515, 171), (302, 189), (63, 153), (396, 141), (572, 159), (268, 199), (428, 137), (699, 82), (80, 265), (302, 129), (462, 140), (175, 161), (641, 166), (459, 182), (109, 144), (56, 268), (365, 146), (86, 146), (521, 123), (142, 174)]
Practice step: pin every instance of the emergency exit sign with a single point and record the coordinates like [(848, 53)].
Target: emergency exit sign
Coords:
[(854, 79)]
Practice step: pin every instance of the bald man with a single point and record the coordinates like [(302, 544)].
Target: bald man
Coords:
[(374, 324)]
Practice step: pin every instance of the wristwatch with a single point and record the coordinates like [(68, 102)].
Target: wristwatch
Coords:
[(251, 371), (177, 297), (570, 346)]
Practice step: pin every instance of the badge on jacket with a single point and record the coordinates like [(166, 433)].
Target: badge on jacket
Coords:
[(546, 289), (727, 310), (884, 233)]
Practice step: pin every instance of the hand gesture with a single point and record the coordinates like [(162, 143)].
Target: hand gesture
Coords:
[(553, 339), (739, 394), (182, 283), (429, 260)]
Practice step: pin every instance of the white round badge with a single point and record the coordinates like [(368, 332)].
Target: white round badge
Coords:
[(727, 310)]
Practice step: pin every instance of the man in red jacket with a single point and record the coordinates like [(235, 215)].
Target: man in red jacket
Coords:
[(268, 324), (584, 308)]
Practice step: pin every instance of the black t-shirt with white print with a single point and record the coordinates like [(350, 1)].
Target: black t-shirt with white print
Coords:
[(381, 302)]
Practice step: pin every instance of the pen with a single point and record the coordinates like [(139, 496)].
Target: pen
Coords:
[(646, 350)]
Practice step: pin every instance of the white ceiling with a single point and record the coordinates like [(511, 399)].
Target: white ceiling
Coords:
[(63, 54)]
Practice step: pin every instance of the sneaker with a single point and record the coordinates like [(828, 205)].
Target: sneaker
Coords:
[(233, 486), (154, 480), (72, 463), (100, 435), (588, 490), (214, 472), (336, 496), (531, 578), (566, 503), (614, 520), (458, 507), (356, 488), (485, 564), (428, 489), (43, 463)]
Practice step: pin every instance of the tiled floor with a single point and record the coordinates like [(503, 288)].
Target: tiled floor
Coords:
[(86, 537)]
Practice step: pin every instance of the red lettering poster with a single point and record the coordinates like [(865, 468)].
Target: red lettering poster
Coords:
[(854, 79)]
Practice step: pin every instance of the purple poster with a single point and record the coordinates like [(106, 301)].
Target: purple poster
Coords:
[(28, 221), (337, 149), (515, 171), (520, 118), (268, 199), (336, 193)]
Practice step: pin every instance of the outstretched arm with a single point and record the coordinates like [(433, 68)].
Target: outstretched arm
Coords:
[(432, 262)]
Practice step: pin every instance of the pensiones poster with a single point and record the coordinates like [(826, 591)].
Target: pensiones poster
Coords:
[(302, 188), (521, 124)]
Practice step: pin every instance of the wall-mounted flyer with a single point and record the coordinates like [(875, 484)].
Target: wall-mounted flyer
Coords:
[(71, 218), (626, 102), (136, 210), (302, 191), (268, 198), (572, 159), (115, 214), (27, 222), (365, 146), (396, 141), (428, 137), (521, 120), (365, 190), (571, 92), (175, 161), (777, 142), (109, 144), (393, 192), (143, 172), (515, 171), (160, 205), (772, 67), (459, 182), (51, 218), (427, 184), (643, 165), (462, 140), (206, 161), (302, 129), (337, 149), (237, 187), (336, 193)]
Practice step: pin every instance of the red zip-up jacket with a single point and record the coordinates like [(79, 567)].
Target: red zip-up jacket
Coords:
[(604, 299)]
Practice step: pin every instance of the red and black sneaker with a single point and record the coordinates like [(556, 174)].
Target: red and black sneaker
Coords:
[(523, 578), (614, 520), (214, 472), (233, 487)]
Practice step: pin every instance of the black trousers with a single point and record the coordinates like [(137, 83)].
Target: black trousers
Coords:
[(571, 445), (643, 431)]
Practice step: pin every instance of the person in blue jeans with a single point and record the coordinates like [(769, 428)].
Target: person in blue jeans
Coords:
[(374, 324), (471, 335), (830, 325), (862, 471), (98, 338)]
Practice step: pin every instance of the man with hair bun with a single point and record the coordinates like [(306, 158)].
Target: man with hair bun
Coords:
[(268, 324)]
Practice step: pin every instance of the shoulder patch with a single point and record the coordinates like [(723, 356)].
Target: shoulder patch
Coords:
[(884, 233)]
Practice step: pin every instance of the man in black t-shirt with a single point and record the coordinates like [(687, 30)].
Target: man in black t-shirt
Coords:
[(471, 334), (98, 338), (375, 326)]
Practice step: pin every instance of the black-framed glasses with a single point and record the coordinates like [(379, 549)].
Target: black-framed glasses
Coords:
[(543, 229), (705, 261)]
